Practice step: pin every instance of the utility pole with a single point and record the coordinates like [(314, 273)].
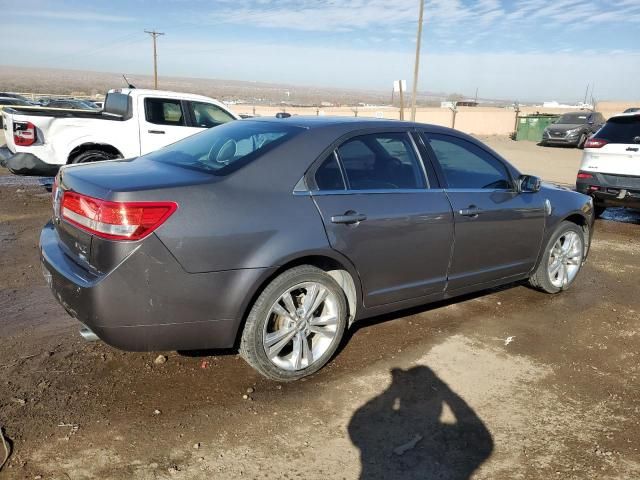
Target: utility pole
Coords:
[(586, 93), (155, 35), (401, 100), (416, 65)]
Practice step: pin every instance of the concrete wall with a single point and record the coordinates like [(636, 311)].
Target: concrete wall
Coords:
[(478, 120)]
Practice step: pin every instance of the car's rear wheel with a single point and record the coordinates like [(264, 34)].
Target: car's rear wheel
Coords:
[(582, 141), (93, 156), (295, 325), (562, 259)]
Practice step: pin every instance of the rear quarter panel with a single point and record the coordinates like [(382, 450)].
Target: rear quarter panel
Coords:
[(66, 134)]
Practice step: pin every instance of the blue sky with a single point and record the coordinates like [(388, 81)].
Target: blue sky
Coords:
[(528, 49)]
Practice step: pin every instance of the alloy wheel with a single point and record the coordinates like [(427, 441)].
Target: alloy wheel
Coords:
[(301, 326), (565, 259)]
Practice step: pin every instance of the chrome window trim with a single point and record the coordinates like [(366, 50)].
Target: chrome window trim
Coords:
[(317, 193), (416, 152), (481, 190)]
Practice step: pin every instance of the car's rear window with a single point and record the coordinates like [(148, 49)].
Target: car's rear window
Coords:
[(620, 129), (226, 148)]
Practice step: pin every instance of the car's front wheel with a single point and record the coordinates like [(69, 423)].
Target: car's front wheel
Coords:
[(598, 210), (295, 325), (562, 259)]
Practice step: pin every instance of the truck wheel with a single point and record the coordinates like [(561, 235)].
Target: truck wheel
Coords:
[(295, 325), (93, 156), (561, 261)]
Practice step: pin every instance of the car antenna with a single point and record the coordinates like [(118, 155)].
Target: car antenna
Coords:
[(127, 82)]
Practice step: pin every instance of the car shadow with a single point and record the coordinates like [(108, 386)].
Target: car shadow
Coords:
[(427, 307), (419, 428)]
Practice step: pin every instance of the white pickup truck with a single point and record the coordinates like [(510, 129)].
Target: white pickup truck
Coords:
[(132, 123)]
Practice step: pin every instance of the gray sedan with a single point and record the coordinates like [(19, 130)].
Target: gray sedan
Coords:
[(274, 236)]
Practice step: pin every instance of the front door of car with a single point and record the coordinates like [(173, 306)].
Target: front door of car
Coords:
[(498, 231), (162, 121), (379, 211)]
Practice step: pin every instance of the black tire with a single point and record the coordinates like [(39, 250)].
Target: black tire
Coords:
[(540, 279), (582, 141), (252, 349), (93, 156), (598, 210)]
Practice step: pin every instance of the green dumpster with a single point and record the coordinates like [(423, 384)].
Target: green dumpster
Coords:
[(530, 127)]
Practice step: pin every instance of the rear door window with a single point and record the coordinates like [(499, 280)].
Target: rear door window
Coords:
[(383, 161), (467, 166), (225, 149), (621, 130), (207, 115), (164, 111)]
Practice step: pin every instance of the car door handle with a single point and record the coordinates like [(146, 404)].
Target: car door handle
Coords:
[(349, 218), (160, 132), (472, 211)]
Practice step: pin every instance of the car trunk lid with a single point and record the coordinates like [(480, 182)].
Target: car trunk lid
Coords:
[(138, 183)]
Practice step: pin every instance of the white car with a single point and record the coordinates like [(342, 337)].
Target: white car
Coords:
[(132, 123), (610, 170)]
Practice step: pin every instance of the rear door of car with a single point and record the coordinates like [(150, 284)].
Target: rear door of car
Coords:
[(615, 149), (498, 231), (385, 212), (162, 121)]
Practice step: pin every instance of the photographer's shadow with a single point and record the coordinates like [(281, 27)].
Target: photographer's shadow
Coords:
[(419, 428)]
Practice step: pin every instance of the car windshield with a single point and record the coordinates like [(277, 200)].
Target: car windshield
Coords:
[(574, 118), (620, 129), (226, 148)]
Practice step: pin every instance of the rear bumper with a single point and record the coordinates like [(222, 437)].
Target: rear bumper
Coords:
[(611, 190), (148, 302), (22, 163)]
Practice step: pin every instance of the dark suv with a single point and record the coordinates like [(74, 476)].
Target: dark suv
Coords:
[(573, 129)]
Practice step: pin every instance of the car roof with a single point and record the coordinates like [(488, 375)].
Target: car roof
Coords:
[(350, 123), (625, 114)]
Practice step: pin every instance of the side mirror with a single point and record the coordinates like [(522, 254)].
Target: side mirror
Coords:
[(529, 184)]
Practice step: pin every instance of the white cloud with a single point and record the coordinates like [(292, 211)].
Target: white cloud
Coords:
[(75, 15), (441, 15)]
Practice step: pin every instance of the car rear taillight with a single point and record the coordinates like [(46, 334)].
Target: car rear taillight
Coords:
[(595, 143), (114, 220), (584, 175), (24, 134)]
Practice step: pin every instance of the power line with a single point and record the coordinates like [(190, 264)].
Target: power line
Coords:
[(155, 35)]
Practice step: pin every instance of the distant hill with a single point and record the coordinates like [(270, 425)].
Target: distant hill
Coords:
[(77, 82)]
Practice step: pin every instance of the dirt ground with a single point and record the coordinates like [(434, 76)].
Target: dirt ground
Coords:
[(505, 384)]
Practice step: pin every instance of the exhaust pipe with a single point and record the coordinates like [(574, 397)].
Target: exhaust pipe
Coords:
[(88, 334)]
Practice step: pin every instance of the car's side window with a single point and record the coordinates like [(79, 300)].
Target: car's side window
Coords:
[(381, 161), (467, 166), (164, 111), (328, 176), (207, 115)]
